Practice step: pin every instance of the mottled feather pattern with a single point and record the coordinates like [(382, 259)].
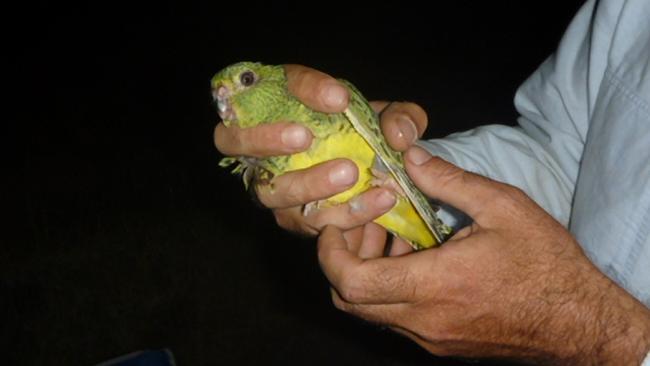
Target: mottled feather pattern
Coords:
[(366, 122), (354, 134)]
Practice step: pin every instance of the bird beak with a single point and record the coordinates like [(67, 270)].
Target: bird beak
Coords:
[(221, 95)]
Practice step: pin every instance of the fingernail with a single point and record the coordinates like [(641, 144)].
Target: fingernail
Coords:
[(417, 155), (385, 200), (295, 137), (342, 175), (407, 129), (333, 95)]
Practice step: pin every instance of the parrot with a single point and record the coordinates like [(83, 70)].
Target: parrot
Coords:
[(248, 94)]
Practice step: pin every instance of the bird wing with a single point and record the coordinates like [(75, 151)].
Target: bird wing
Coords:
[(365, 121)]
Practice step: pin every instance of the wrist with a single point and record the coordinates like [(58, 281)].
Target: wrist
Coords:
[(624, 329), (617, 327), (591, 320)]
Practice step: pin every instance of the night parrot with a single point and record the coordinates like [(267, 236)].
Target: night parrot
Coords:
[(248, 94)]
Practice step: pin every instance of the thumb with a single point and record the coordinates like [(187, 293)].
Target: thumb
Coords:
[(316, 89), (448, 183)]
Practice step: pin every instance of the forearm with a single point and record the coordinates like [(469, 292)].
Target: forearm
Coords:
[(624, 330), (598, 323)]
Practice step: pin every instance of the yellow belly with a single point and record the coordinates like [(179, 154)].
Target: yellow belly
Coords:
[(343, 145), (402, 220)]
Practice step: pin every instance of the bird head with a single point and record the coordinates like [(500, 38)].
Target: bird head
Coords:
[(249, 93)]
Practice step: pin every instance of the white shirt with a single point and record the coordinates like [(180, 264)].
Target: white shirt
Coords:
[(582, 146)]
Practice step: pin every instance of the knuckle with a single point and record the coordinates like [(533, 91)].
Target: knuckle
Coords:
[(339, 303), (321, 218), (297, 73), (448, 174), (508, 197), (291, 219), (283, 219), (263, 195), (308, 229), (516, 193), (293, 196), (352, 289), (438, 337), (294, 192), (322, 254), (463, 175)]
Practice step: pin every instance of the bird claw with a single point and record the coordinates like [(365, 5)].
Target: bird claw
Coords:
[(311, 207)]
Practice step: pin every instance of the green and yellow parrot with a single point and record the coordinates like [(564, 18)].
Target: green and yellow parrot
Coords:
[(248, 94)]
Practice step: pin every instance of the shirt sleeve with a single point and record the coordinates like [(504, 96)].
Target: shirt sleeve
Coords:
[(542, 154)]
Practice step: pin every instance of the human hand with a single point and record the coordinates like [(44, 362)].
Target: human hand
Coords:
[(402, 124), (514, 284)]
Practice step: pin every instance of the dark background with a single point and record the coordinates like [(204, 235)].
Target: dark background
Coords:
[(120, 232)]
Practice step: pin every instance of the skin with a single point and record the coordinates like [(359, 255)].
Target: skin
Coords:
[(402, 122), (514, 285)]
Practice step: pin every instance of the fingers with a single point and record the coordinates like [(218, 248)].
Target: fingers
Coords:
[(439, 179), (299, 187), (292, 219), (358, 281), (399, 247), (354, 238), (385, 314), (402, 123), (358, 211), (316, 89), (373, 243), (355, 213), (263, 140), (464, 232)]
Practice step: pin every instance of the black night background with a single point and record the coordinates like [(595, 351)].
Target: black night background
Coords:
[(119, 230)]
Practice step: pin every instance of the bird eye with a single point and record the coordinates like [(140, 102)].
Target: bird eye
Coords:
[(247, 78)]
